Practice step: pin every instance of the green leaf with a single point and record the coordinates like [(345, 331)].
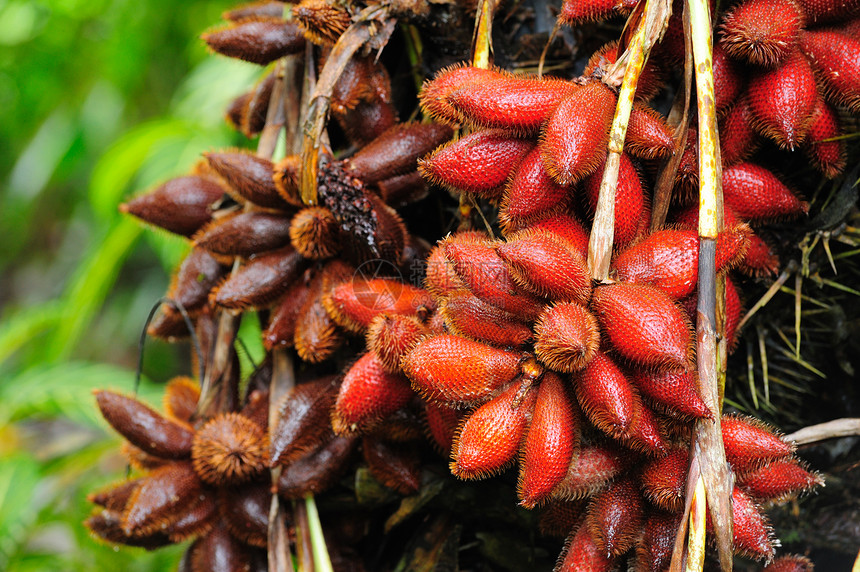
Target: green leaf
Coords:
[(22, 327), (19, 477)]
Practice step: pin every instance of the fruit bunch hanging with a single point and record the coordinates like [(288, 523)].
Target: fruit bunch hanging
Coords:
[(513, 276)]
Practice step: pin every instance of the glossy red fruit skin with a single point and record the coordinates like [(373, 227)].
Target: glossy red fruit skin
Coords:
[(574, 138), (648, 134), (654, 550), (582, 553), (519, 104), (354, 304), (664, 339), (749, 443), (631, 203), (489, 438), (779, 481), (531, 194), (567, 227), (547, 265), (390, 337), (551, 441), (650, 81), (316, 334), (782, 101), (566, 337), (615, 517), (734, 312), (453, 369), (728, 81), (442, 423), (827, 155), (434, 93), (762, 32), (664, 480), (574, 12), (590, 470), (752, 533), (369, 393), (143, 427), (478, 163), (485, 274), (468, 316), (755, 194), (835, 57), (738, 140), (790, 563), (606, 396), (675, 391)]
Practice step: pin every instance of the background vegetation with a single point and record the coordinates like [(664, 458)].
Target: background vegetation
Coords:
[(98, 99)]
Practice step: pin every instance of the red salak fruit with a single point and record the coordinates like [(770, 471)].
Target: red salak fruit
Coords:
[(606, 396), (143, 427), (368, 393), (663, 338), (489, 438), (566, 337), (488, 277), (434, 93), (648, 134), (442, 423), (468, 316), (645, 434), (354, 304), (582, 553), (391, 336), (790, 563), (749, 443), (574, 138), (779, 481), (668, 259), (655, 547), (558, 518), (651, 79), (568, 227), (547, 265), (181, 205), (616, 516), (631, 203), (590, 469), (755, 194), (675, 391), (762, 32), (687, 175), (829, 10), (574, 12), (664, 480), (734, 311), (531, 194), (828, 155), (551, 441), (478, 163), (782, 100), (316, 334), (738, 140), (728, 80), (519, 104), (440, 278), (454, 369), (752, 534)]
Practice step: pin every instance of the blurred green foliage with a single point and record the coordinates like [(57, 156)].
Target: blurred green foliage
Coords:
[(98, 99)]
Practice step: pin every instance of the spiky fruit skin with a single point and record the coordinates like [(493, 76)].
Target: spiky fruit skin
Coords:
[(567, 337), (354, 304), (531, 193), (485, 274), (675, 391), (468, 316), (779, 480), (249, 177), (143, 427), (244, 234), (822, 144), (260, 281), (651, 80), (751, 532), (547, 266), (573, 141), (664, 339), (551, 441), (728, 80), (434, 93), (589, 471), (576, 11), (229, 449), (648, 134), (514, 103), (756, 194), (782, 101), (582, 553), (369, 393), (749, 443), (835, 58), (738, 140), (606, 396), (259, 40), (181, 205), (454, 369), (790, 563), (390, 337), (631, 204), (314, 233), (654, 550), (488, 439), (762, 32), (478, 163), (664, 480), (615, 517)]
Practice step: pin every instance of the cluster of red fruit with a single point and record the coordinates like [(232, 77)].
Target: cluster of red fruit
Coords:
[(510, 351)]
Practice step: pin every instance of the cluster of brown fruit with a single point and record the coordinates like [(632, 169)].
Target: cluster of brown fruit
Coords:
[(507, 350)]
